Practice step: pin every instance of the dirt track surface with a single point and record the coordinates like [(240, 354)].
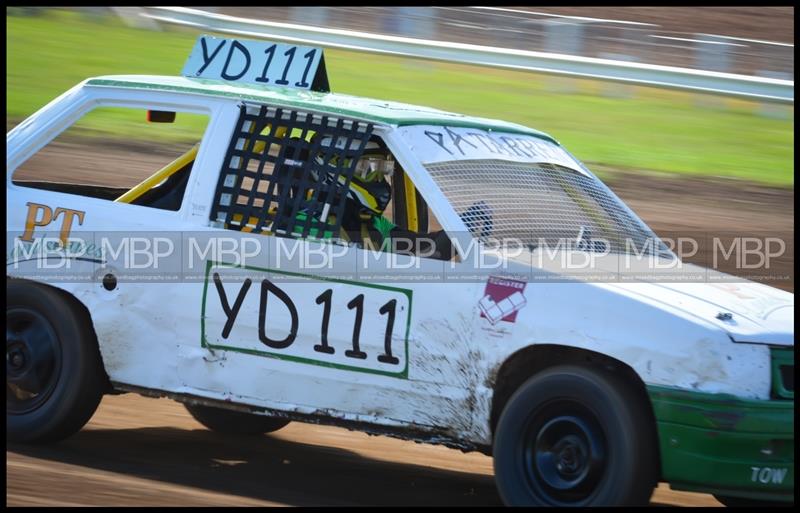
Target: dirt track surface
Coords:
[(704, 209), (138, 451)]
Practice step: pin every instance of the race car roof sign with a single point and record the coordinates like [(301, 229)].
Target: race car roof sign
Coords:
[(258, 63), (442, 143)]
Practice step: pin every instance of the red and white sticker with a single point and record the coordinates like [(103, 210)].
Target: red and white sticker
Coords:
[(502, 299)]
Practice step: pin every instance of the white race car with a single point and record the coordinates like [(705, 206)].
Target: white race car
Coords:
[(240, 279)]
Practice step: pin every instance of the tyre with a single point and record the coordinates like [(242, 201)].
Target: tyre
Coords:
[(741, 502), (54, 373), (234, 422), (575, 436)]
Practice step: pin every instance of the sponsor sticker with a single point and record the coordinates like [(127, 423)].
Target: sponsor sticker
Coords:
[(502, 299)]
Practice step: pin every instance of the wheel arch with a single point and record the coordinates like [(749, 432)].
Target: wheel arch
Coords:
[(533, 359), (81, 309)]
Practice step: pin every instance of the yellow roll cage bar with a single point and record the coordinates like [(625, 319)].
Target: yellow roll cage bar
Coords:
[(159, 176)]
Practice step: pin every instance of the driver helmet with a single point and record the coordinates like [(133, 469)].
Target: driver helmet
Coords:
[(369, 187)]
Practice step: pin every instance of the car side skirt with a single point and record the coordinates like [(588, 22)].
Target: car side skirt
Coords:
[(402, 432)]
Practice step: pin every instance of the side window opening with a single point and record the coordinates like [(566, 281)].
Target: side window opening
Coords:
[(287, 172), (299, 174), (118, 154)]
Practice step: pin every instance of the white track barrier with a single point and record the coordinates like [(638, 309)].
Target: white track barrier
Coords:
[(742, 86)]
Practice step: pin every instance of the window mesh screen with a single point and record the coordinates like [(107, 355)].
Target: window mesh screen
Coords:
[(272, 176), (539, 203)]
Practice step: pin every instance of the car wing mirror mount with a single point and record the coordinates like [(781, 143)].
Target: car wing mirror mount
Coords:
[(160, 116)]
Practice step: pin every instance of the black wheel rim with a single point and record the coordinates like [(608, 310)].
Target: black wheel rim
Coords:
[(33, 360), (564, 453)]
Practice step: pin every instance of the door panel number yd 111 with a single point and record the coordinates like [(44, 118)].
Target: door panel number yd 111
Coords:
[(362, 329)]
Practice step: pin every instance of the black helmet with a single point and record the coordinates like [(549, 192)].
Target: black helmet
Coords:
[(368, 187)]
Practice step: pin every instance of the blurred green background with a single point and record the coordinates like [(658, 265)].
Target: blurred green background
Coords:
[(609, 127)]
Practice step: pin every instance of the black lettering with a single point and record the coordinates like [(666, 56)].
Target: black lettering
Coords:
[(310, 56), (545, 149), (230, 313), (236, 45), (271, 52), (512, 144), (206, 59), (480, 137), (267, 287), (498, 148), (457, 140), (530, 146), (438, 138), (290, 54), (357, 303), (387, 338), (325, 297)]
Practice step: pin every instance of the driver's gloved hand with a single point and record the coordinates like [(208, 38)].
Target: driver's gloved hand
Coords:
[(443, 246)]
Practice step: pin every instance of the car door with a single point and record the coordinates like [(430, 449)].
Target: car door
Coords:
[(318, 327)]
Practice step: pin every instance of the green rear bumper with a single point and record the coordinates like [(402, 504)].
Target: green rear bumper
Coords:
[(721, 444)]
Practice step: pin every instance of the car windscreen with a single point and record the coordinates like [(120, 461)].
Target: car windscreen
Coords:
[(541, 204)]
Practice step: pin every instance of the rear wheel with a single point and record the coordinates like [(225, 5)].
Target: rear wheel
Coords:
[(234, 422), (574, 436), (54, 373)]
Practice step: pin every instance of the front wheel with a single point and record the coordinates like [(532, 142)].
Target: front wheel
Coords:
[(574, 436), (234, 422)]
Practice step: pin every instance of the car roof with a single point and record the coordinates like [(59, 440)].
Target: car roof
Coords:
[(368, 109)]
